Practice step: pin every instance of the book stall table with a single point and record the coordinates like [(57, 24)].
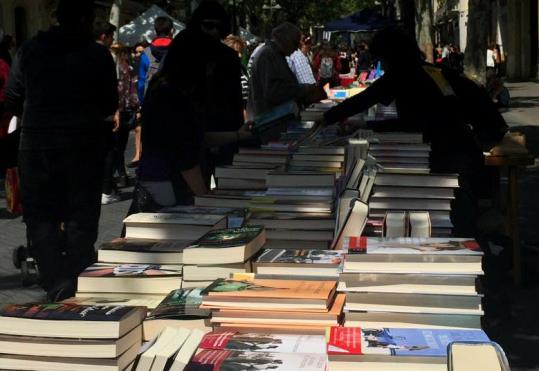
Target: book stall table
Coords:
[(513, 165)]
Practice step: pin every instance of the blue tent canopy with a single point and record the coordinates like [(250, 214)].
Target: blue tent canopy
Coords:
[(364, 20)]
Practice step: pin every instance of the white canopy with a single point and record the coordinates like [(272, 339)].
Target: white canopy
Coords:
[(142, 29)]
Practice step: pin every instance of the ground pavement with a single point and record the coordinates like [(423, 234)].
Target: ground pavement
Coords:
[(518, 334)]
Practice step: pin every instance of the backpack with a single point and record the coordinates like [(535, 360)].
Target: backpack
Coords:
[(155, 66), (326, 68)]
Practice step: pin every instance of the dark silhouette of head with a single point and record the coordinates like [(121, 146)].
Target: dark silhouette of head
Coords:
[(396, 48), (104, 33), (76, 15), (211, 18), (287, 36), (163, 26), (187, 74)]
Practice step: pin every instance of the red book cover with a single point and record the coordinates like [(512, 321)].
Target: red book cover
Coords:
[(217, 341), (343, 340), (357, 245)]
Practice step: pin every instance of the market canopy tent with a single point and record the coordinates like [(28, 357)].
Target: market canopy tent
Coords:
[(141, 28), (363, 21)]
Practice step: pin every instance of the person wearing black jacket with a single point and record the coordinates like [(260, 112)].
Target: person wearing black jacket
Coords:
[(64, 85), (454, 114)]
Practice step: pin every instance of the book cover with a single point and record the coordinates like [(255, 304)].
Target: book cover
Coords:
[(131, 270), (288, 256), (229, 237), (144, 246), (260, 288), (397, 342), (409, 245), (271, 343), (66, 312), (223, 360), (180, 304)]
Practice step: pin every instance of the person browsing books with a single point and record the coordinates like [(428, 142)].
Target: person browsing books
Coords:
[(421, 91), (272, 82), (64, 85)]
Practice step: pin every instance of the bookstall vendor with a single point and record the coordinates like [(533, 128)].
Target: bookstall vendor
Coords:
[(455, 115)]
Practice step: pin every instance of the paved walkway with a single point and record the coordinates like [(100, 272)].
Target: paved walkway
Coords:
[(518, 335)]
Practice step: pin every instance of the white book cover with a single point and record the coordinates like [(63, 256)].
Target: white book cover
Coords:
[(409, 245)]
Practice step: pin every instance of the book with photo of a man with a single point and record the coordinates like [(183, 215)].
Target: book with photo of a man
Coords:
[(271, 343), (396, 344), (225, 360)]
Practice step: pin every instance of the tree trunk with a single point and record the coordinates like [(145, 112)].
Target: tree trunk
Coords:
[(424, 28), (475, 55), (114, 18)]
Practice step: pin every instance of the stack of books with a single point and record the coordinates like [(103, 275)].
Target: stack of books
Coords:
[(220, 253), (273, 305), (252, 176), (69, 337), (260, 351), (415, 192), (412, 282), (235, 216), (401, 155), (169, 226), (323, 159), (261, 157)]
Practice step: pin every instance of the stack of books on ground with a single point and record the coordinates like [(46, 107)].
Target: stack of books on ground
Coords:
[(274, 305), (261, 157), (382, 348), (171, 350), (181, 308), (168, 226), (69, 337), (412, 282), (220, 253), (224, 351), (415, 192)]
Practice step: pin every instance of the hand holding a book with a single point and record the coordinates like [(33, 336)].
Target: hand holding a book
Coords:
[(244, 133)]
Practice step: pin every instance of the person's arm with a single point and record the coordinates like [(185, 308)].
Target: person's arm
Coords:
[(380, 91), (142, 72), (195, 181), (222, 138), (15, 91)]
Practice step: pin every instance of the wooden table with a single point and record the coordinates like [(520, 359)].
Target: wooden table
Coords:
[(513, 164)]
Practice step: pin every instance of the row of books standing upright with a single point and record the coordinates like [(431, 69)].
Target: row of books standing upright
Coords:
[(318, 252)]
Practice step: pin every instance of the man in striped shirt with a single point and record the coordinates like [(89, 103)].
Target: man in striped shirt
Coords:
[(299, 62)]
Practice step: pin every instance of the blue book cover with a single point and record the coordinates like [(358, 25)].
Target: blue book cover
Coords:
[(415, 342)]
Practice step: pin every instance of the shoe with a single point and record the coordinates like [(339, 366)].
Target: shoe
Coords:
[(109, 199), (132, 164), (62, 290)]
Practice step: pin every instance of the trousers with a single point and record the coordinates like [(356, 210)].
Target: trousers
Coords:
[(61, 197)]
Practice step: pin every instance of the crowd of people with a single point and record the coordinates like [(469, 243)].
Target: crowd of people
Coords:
[(191, 103)]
